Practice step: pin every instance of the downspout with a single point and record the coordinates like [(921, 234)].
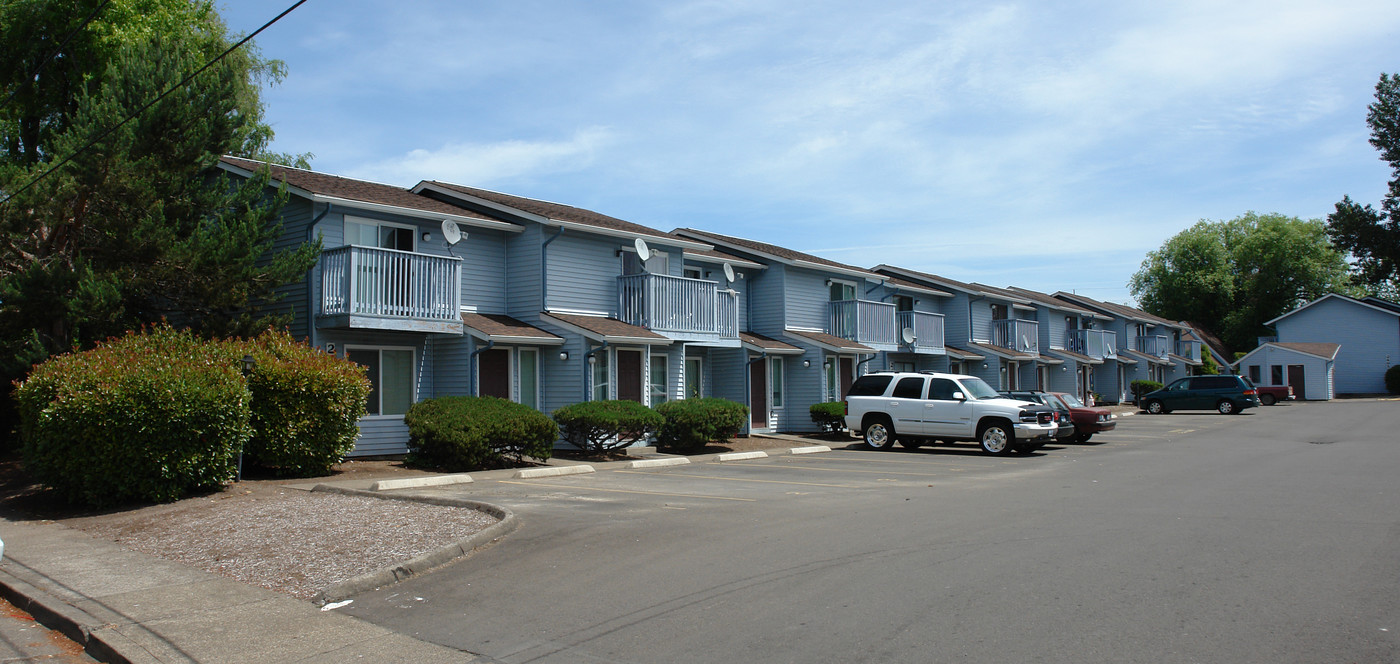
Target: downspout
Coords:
[(748, 389), (311, 305), (544, 269), (588, 375), (471, 364)]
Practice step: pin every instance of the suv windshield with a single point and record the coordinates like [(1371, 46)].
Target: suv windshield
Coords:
[(978, 389), (1072, 400)]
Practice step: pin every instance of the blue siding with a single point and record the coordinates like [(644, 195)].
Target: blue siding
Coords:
[(294, 299), (727, 369), (981, 312), (766, 301), (805, 297), (387, 435), (583, 274), (523, 272), (1315, 370), (955, 320), (1369, 339), (484, 274)]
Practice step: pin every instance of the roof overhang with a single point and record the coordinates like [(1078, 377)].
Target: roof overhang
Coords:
[(782, 260), (618, 339)]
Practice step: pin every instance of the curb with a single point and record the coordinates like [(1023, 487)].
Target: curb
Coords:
[(809, 450), (419, 482), (428, 561), (657, 463), (98, 639), (741, 456), (552, 471)]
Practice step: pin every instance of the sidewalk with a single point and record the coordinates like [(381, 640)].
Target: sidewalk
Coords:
[(125, 606)]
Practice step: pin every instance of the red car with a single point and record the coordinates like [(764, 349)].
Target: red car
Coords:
[(1087, 421)]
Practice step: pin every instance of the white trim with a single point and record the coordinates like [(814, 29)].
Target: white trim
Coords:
[(1332, 295), (518, 384)]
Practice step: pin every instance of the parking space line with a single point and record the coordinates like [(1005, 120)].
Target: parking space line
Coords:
[(852, 470), (642, 493), (904, 461), (741, 479)]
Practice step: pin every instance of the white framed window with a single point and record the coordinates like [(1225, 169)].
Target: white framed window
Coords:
[(528, 369), (657, 379), (658, 263), (694, 378), (842, 290), (691, 273), (775, 381), (833, 378), (601, 375), (382, 234), (391, 377)]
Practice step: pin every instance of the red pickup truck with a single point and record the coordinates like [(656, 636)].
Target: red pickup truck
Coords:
[(1272, 394)]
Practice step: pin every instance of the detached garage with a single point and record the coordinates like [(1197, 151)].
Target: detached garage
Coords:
[(1308, 367)]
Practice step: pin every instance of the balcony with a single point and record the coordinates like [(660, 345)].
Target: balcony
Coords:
[(864, 322), (1156, 345), (1190, 350), (1098, 344), (387, 289), (928, 330), (1018, 335), (684, 309)]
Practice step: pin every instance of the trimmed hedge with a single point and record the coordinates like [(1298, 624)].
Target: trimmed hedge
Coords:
[(306, 404), (602, 426), (472, 433), (149, 416), (691, 424), (1392, 379), (1141, 387), (830, 416)]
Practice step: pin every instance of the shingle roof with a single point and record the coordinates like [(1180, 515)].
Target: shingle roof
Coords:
[(896, 282), (351, 189), (1071, 355), (961, 354), (549, 210), (1050, 301), (765, 248), (500, 326), (1326, 350), (1001, 352), (827, 340), (604, 328), (1120, 310), (768, 344)]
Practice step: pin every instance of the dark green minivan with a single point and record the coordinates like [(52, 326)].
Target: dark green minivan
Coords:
[(1227, 394)]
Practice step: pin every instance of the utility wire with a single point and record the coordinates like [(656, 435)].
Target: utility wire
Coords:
[(58, 50), (149, 104)]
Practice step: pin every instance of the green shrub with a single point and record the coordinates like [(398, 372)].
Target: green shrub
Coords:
[(1141, 387), (306, 404), (690, 424), (1392, 379), (600, 426), (149, 416), (830, 416), (471, 433)]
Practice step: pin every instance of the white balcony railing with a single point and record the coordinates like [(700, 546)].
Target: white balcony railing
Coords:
[(1018, 335), (1190, 350), (927, 327), (1098, 344), (367, 281), (678, 305), (1156, 345), (863, 321)]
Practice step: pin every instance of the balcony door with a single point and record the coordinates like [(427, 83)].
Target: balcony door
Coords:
[(384, 281), (844, 321)]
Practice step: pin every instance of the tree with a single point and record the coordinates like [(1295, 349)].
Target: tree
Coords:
[(1233, 276), (1371, 237), (138, 225)]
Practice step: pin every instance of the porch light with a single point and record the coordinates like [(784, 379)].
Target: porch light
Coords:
[(426, 236), (563, 355), (806, 363)]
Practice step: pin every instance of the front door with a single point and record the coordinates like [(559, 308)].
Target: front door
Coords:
[(493, 371), (629, 375), (848, 375), (906, 405), (758, 394), (946, 411), (1295, 379)]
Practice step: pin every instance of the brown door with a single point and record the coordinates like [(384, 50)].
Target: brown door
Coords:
[(848, 375), (758, 394), (493, 370), (1295, 379), (629, 375)]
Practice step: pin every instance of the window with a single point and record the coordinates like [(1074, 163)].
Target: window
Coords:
[(870, 385), (842, 291), (908, 388), (1254, 372), (371, 233), (694, 378), (529, 361), (659, 363), (941, 389), (691, 272), (659, 263), (903, 303), (600, 374), (390, 373), (833, 379), (775, 380), (1276, 374), (999, 312)]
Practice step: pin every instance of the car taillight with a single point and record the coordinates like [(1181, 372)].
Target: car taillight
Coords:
[(1290, 390), (1251, 393), (845, 407)]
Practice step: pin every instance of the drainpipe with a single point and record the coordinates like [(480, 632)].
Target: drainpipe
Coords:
[(471, 364), (857, 368), (544, 269), (748, 388), (588, 376), (311, 305)]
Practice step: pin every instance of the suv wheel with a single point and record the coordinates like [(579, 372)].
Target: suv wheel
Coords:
[(997, 438), (1226, 407), (879, 435), (1155, 407)]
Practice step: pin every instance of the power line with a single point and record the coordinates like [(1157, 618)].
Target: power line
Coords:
[(149, 104), (51, 56)]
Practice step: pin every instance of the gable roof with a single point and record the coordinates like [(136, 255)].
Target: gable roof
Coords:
[(1114, 309), (1325, 351), (610, 330), (546, 212), (829, 342), (504, 329), (362, 194), (901, 284), (1383, 306), (1209, 339), (1050, 301), (775, 253), (944, 282)]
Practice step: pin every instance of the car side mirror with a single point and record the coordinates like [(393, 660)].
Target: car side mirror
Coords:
[(958, 396)]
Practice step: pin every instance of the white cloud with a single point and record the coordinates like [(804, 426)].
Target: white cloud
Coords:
[(482, 164)]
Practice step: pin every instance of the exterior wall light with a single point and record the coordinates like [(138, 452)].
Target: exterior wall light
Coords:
[(563, 355)]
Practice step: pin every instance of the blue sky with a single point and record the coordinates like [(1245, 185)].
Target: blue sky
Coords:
[(1042, 145)]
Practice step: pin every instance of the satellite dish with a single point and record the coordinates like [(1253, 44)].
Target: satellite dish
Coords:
[(643, 251), (907, 334), (450, 232), (728, 272)]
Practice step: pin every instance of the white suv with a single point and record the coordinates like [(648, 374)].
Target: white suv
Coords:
[(918, 408)]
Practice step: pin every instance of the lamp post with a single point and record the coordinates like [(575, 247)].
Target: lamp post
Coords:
[(248, 365)]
